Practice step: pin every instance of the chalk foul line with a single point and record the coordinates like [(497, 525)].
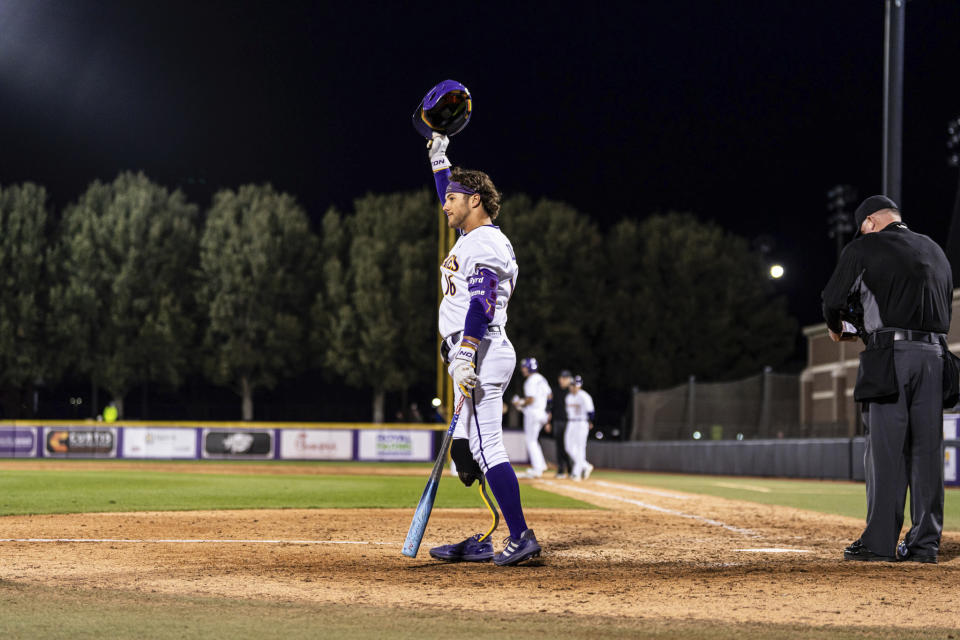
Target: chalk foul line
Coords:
[(744, 487), (653, 507), (652, 492), (190, 541)]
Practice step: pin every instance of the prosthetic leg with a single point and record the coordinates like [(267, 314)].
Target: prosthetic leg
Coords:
[(492, 509), (478, 547)]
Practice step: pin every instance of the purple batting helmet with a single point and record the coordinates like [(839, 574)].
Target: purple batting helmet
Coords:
[(445, 109), (578, 381), (530, 364)]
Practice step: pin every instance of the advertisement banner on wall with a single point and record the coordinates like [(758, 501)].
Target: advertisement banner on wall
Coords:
[(316, 444), (238, 443), (153, 442), (18, 442), (80, 442), (395, 444), (950, 432)]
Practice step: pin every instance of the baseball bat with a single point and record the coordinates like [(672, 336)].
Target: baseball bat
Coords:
[(415, 534)]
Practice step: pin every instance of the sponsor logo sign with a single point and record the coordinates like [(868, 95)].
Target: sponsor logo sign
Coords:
[(316, 444), (950, 453), (80, 442), (237, 443), (395, 444), (155, 442), (18, 441)]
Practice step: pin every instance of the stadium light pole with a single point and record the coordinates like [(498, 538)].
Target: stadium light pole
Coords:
[(839, 220), (893, 99)]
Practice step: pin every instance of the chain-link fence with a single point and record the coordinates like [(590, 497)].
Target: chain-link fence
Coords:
[(766, 405)]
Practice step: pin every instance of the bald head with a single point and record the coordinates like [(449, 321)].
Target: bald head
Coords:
[(878, 220)]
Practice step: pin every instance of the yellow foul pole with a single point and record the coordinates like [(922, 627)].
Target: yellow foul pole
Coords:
[(446, 239)]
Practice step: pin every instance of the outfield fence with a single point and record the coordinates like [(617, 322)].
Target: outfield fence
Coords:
[(413, 442), (820, 458)]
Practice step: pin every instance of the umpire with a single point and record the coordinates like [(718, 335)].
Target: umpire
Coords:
[(558, 423), (895, 287)]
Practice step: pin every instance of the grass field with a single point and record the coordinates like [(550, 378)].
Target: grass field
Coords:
[(84, 491), (30, 491)]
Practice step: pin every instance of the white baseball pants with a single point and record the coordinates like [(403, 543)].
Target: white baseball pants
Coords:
[(481, 418), (533, 422), (575, 442)]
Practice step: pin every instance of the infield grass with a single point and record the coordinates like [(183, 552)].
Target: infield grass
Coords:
[(28, 492), (29, 612), (824, 496)]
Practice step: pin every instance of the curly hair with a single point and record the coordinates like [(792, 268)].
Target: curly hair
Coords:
[(483, 185)]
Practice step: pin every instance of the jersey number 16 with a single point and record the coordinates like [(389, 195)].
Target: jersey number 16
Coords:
[(446, 283)]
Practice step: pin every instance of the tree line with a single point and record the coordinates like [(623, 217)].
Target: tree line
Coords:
[(133, 284)]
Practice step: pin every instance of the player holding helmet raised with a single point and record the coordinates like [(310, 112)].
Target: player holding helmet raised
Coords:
[(477, 278)]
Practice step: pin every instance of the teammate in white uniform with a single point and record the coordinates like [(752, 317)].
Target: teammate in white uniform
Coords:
[(535, 406), (477, 279), (580, 413)]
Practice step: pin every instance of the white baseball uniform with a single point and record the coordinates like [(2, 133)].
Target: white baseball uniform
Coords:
[(579, 408), (481, 418), (534, 417)]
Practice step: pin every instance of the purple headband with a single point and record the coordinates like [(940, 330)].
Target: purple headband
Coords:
[(456, 187)]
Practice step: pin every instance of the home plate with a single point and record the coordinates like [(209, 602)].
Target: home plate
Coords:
[(774, 550)]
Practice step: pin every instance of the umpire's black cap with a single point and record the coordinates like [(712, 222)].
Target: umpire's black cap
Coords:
[(869, 206), (566, 374)]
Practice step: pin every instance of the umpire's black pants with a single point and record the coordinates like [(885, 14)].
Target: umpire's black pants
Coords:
[(904, 448), (563, 458)]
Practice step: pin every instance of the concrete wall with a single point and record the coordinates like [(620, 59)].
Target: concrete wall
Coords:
[(821, 458)]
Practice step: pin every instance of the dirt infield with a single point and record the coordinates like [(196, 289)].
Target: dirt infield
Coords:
[(649, 554)]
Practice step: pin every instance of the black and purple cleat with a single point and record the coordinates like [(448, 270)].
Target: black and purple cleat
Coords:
[(517, 551), (473, 549)]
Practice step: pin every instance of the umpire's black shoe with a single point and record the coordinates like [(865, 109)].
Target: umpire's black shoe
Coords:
[(857, 551), (904, 554)]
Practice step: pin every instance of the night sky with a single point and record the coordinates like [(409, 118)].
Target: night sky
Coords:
[(744, 113)]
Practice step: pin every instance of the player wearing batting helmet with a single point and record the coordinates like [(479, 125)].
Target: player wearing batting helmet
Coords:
[(535, 406), (579, 423)]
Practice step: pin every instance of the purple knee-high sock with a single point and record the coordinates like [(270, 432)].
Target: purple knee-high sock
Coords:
[(506, 489)]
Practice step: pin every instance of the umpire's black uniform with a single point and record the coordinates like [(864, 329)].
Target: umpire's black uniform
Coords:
[(558, 421), (896, 286)]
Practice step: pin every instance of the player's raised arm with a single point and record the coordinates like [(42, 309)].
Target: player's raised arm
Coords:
[(437, 154)]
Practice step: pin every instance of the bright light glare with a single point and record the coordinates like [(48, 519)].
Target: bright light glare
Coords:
[(435, 402), (697, 435), (776, 271)]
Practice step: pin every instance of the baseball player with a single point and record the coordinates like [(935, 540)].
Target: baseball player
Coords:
[(535, 406), (477, 278), (579, 423)]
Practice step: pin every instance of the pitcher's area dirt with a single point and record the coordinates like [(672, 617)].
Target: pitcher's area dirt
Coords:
[(651, 554)]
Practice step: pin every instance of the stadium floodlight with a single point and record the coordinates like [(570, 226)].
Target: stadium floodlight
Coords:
[(840, 221), (776, 271), (953, 142)]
